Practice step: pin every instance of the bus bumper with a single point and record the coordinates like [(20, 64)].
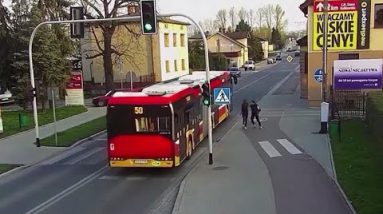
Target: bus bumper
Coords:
[(141, 163)]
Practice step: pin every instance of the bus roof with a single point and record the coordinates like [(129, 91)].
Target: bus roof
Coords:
[(168, 92)]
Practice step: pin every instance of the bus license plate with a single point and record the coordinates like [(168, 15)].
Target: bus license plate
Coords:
[(141, 161)]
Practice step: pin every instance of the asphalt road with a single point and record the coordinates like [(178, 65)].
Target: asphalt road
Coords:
[(79, 181)]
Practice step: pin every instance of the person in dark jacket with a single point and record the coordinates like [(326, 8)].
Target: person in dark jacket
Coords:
[(244, 113), (255, 109)]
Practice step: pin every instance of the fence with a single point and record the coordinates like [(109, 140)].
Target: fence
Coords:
[(348, 104)]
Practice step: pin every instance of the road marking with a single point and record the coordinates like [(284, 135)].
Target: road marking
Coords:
[(62, 156), (86, 155), (269, 149), (246, 86), (289, 146), (43, 206)]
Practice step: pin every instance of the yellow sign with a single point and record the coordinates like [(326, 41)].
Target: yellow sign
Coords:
[(342, 30)]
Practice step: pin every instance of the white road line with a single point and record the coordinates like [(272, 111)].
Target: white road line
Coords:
[(269, 149), (289, 146), (86, 155), (246, 86), (62, 156), (43, 206)]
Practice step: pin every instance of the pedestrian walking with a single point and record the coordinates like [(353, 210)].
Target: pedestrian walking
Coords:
[(255, 109), (244, 113)]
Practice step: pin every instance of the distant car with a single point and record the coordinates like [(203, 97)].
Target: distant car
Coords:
[(103, 99), (278, 58), (249, 65), (271, 60), (235, 71), (6, 98), (297, 53)]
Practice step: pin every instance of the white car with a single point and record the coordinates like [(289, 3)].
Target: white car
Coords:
[(249, 65)]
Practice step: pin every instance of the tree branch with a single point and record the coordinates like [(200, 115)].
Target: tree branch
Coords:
[(97, 41), (94, 56), (94, 7)]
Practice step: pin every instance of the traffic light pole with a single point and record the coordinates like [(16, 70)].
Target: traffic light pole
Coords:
[(129, 18)]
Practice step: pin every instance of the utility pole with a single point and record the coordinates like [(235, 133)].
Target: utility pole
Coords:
[(324, 59)]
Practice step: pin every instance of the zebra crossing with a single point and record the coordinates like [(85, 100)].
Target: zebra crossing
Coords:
[(272, 150)]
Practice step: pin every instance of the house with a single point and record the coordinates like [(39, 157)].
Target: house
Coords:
[(233, 46), (361, 38), (145, 58)]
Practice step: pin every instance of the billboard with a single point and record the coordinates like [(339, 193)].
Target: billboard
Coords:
[(74, 87), (358, 74), (347, 25)]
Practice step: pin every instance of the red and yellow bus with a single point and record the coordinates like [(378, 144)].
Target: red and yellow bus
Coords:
[(161, 125)]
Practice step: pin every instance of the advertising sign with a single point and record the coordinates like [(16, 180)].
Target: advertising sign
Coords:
[(364, 16), (74, 86), (348, 25), (75, 81), (358, 74), (341, 30)]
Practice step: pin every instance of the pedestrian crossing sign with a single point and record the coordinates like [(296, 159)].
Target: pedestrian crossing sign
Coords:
[(222, 96)]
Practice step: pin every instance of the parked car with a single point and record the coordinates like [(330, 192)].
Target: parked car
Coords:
[(103, 99), (235, 71), (6, 98), (271, 60), (297, 53), (249, 65), (278, 58)]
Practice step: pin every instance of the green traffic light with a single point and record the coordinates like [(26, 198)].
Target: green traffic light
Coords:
[(206, 102), (148, 27)]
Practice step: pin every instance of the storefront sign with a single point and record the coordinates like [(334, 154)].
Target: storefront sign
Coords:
[(364, 18)]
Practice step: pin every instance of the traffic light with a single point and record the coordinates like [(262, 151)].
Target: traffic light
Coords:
[(148, 17), (77, 29), (206, 94)]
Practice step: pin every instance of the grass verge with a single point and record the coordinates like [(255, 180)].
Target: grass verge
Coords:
[(358, 162), (6, 167), (72, 135), (11, 123)]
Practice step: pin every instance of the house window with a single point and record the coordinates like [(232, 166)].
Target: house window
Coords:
[(174, 40), (167, 66), (378, 16), (166, 37), (175, 65), (183, 65), (182, 40)]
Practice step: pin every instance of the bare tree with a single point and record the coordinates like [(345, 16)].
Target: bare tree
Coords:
[(259, 16), (232, 17), (242, 14), (279, 18), (221, 19), (209, 25), (96, 9), (269, 12), (251, 17)]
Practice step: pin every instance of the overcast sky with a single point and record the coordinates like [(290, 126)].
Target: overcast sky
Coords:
[(202, 9)]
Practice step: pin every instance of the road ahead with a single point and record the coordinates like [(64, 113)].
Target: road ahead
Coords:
[(79, 181)]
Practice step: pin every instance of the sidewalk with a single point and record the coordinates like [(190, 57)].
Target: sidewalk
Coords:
[(20, 148), (239, 181)]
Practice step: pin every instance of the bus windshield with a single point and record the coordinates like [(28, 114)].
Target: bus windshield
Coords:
[(143, 119)]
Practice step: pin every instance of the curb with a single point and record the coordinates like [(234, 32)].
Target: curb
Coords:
[(335, 179), (177, 204), (87, 138), (19, 168)]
